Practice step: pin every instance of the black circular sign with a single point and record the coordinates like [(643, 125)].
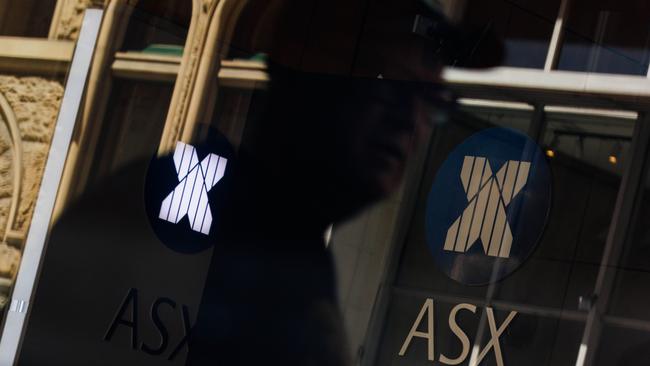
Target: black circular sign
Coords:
[(185, 190)]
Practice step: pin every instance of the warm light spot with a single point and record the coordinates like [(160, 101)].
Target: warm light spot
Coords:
[(612, 159), (550, 153)]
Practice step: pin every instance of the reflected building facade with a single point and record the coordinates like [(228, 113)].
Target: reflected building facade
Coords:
[(574, 80)]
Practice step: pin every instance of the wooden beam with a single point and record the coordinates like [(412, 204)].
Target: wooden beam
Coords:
[(553, 55), (142, 66), (558, 88), (240, 74), (562, 88), (34, 56)]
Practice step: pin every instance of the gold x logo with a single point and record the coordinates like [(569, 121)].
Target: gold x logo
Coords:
[(488, 196)]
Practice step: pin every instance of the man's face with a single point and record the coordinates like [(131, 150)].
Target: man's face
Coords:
[(349, 137), (389, 121), (390, 116)]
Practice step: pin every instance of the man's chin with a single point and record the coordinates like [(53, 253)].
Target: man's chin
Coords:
[(348, 194), (360, 202), (386, 184), (374, 190), (348, 203)]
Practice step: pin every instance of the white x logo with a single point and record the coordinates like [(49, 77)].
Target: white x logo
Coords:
[(190, 197), (488, 196)]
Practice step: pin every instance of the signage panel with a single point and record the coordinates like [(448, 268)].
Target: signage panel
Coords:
[(121, 283), (488, 206)]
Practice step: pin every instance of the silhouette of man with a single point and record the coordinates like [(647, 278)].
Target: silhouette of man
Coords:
[(323, 147), (319, 148)]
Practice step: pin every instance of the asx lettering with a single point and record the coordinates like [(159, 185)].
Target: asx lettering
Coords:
[(493, 345), (130, 306)]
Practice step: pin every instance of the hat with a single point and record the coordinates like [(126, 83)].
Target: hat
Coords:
[(365, 40), (459, 45)]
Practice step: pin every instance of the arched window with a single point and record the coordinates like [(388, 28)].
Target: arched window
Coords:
[(26, 18), (141, 91)]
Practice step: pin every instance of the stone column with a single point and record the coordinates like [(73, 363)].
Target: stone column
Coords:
[(213, 22), (67, 18), (84, 142)]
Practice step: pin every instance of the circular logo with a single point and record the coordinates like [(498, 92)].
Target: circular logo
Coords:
[(488, 206), (185, 190)]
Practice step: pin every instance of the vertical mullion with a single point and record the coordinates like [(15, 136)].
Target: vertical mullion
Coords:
[(537, 123), (553, 54), (603, 19), (34, 249), (628, 194)]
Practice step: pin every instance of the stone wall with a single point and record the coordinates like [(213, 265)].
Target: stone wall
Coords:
[(35, 103)]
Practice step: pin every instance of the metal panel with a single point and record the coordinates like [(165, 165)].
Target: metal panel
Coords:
[(38, 230)]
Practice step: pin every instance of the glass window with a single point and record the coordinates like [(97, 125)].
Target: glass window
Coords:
[(128, 109), (26, 18), (341, 183), (545, 291), (158, 27), (132, 127), (626, 325), (127, 135), (602, 142), (607, 36), (525, 25), (255, 32)]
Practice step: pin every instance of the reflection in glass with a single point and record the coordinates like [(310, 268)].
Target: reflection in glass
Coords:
[(26, 18), (628, 315), (585, 185), (600, 142), (525, 25), (607, 36), (158, 27)]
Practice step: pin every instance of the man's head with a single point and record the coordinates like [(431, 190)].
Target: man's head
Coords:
[(341, 140)]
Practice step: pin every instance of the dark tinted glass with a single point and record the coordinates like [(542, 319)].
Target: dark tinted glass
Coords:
[(526, 26), (26, 18), (607, 36)]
